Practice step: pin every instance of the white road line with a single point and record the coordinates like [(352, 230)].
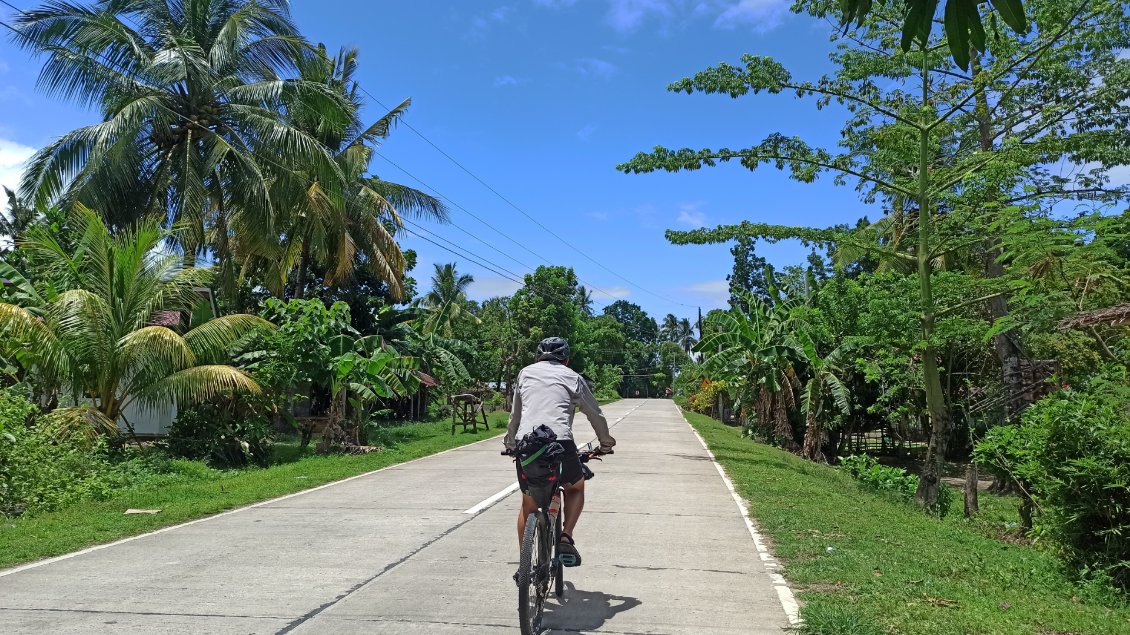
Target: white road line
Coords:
[(40, 563), (482, 505), (493, 499), (784, 593)]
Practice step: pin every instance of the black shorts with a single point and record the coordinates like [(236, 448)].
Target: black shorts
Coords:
[(571, 471)]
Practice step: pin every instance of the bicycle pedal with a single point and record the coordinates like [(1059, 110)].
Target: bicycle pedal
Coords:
[(568, 560)]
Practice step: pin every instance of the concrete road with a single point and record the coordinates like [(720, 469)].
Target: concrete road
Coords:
[(429, 547)]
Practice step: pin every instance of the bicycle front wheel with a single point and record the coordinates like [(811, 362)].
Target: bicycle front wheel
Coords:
[(533, 575)]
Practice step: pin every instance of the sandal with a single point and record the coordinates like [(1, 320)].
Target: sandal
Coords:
[(567, 551)]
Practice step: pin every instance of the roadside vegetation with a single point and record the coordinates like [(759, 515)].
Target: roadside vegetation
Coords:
[(867, 562)]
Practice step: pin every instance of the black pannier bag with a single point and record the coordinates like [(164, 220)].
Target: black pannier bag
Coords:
[(539, 455)]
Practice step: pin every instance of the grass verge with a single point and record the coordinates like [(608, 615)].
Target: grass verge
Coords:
[(864, 564), (198, 491)]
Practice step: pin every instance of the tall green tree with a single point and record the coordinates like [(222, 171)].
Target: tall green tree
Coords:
[(334, 227), (906, 148), (191, 94), (669, 329), (638, 325), (545, 306), (447, 302)]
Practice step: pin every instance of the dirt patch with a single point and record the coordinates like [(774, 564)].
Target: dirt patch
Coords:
[(824, 587)]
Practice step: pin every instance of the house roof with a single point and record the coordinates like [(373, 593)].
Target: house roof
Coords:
[(1111, 316), (170, 319)]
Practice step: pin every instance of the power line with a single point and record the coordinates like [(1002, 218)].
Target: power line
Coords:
[(493, 266), (487, 267), (519, 209), (492, 227), (469, 213)]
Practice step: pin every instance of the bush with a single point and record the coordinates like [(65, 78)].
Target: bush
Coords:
[(705, 401), (892, 480), (41, 473), (229, 433), (687, 384), (1071, 454)]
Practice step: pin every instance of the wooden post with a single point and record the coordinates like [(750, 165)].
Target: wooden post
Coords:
[(971, 505)]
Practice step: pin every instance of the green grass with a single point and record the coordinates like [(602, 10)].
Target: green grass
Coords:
[(864, 564), (196, 491)]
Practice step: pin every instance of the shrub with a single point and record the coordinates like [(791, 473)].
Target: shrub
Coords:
[(234, 432), (892, 480), (39, 472), (706, 399), (1071, 454)]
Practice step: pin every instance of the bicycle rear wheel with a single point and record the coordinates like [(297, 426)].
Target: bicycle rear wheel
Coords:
[(558, 569), (533, 575)]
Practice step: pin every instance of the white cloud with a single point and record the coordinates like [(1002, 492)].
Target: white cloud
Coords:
[(690, 215), (507, 80), (618, 293), (762, 15), (492, 287), (481, 23), (716, 292), (4, 68), (585, 133), (627, 15), (1119, 175), (12, 158), (593, 67)]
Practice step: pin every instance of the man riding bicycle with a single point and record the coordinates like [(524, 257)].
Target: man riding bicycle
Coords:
[(545, 394)]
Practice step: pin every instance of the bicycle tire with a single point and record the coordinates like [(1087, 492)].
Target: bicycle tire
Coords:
[(529, 616), (558, 569)]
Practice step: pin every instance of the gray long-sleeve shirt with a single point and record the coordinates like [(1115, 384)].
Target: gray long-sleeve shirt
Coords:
[(545, 394)]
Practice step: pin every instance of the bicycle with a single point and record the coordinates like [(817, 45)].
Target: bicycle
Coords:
[(540, 564)]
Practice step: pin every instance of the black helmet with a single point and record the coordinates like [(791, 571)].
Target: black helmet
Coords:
[(553, 348)]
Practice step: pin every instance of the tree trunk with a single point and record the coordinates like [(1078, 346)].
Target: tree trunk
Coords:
[(1007, 350), (303, 269), (930, 480), (814, 438), (971, 504)]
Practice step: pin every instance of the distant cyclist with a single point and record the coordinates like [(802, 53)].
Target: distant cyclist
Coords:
[(545, 394)]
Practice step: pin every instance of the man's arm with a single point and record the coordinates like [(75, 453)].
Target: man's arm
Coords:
[(591, 407), (515, 419)]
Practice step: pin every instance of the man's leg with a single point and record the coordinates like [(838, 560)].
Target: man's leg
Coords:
[(529, 506), (574, 503)]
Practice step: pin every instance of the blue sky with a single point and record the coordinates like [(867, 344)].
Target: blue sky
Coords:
[(541, 99)]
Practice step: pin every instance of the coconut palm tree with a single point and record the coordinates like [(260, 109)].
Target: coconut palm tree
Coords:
[(684, 335), (16, 221), (190, 96), (96, 331), (585, 301), (670, 327), (447, 301), (340, 226)]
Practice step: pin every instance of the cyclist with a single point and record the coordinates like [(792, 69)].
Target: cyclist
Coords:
[(545, 394)]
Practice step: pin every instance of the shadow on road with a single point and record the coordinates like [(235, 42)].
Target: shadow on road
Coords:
[(583, 611)]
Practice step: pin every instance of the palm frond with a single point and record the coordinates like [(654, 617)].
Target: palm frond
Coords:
[(196, 384), (212, 341)]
